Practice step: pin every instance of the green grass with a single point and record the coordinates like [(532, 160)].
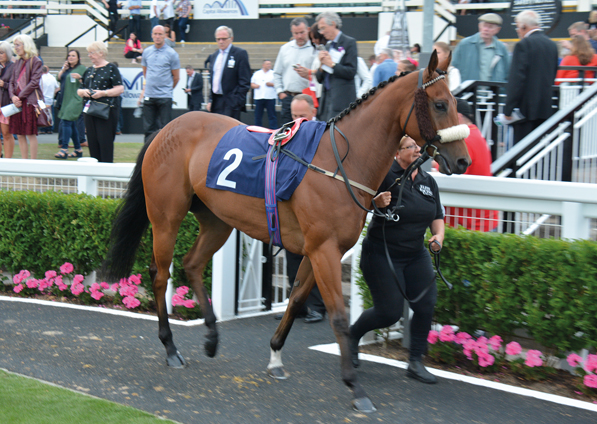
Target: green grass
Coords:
[(123, 152), (24, 400)]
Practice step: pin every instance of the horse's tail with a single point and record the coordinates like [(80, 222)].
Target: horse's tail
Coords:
[(130, 224)]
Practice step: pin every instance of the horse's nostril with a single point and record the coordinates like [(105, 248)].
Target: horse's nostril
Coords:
[(462, 164)]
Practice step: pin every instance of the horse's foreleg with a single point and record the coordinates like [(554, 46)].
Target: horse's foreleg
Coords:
[(212, 236), (328, 273), (302, 287), (163, 248)]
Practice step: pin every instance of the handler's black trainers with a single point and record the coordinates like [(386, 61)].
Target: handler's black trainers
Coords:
[(417, 370)]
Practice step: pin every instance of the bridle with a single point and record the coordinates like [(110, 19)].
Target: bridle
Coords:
[(447, 135)]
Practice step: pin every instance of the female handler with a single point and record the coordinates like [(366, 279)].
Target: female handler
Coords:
[(405, 240)]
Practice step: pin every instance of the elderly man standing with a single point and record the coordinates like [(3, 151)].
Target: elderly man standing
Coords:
[(338, 67), (386, 68), (482, 57), (292, 66), (161, 68), (230, 76), (534, 68)]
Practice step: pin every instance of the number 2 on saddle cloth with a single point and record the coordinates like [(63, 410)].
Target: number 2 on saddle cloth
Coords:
[(250, 160)]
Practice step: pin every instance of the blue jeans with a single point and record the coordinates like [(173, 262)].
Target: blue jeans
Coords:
[(270, 105), (69, 130), (182, 28), (154, 21)]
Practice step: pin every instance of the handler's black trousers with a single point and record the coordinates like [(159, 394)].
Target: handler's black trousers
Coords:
[(415, 272)]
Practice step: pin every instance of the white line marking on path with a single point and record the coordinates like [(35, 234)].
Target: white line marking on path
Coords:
[(333, 349), (108, 311)]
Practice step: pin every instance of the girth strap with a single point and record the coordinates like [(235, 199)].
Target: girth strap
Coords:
[(271, 204)]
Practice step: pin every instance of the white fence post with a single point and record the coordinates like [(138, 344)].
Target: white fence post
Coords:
[(86, 184), (575, 225), (223, 275)]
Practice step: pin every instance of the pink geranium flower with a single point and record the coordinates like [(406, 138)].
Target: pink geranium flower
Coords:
[(591, 364), (77, 288), (190, 303), (18, 288), (78, 279), (432, 337), (105, 285), (128, 291), (114, 287), (590, 380), (43, 284), (468, 347), (32, 283), (67, 268), (177, 300), (60, 283), (513, 348), (97, 295), (182, 290), (495, 342), (135, 279), (462, 337), (447, 334), (131, 302), (50, 274), (574, 360), (485, 359), (22, 275), (95, 287), (533, 358)]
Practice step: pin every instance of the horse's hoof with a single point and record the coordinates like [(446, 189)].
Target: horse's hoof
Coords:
[(363, 404), (176, 361), (211, 344), (278, 373)]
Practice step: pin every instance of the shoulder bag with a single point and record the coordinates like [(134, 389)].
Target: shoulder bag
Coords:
[(44, 116), (95, 108)]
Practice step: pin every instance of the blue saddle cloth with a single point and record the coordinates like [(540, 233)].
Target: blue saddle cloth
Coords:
[(233, 168)]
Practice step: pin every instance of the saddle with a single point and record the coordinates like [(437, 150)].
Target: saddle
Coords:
[(282, 135)]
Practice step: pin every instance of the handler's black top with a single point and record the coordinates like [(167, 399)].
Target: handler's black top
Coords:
[(421, 206)]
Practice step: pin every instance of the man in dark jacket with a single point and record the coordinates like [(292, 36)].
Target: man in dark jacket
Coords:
[(338, 67), (230, 76), (194, 89), (532, 74)]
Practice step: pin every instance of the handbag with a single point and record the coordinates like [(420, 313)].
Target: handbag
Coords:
[(94, 108), (44, 116)]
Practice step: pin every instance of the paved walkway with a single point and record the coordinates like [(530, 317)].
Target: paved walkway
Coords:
[(121, 359)]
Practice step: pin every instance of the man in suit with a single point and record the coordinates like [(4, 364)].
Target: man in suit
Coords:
[(338, 67), (230, 76), (194, 89), (532, 74)]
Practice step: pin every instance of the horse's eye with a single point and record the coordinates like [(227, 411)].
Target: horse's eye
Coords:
[(441, 107)]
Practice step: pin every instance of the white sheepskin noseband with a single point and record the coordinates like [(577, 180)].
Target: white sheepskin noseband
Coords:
[(457, 132)]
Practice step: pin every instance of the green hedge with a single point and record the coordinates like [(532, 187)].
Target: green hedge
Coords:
[(39, 232), (504, 282)]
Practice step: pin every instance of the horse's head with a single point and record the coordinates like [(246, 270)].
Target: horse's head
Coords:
[(437, 119)]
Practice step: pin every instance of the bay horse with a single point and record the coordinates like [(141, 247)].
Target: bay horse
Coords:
[(169, 180)]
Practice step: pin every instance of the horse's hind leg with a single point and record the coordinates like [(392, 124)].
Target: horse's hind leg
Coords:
[(328, 273), (213, 234), (303, 284)]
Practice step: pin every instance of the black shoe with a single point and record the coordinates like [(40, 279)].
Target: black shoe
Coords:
[(278, 317), (313, 316), (417, 370), (353, 344)]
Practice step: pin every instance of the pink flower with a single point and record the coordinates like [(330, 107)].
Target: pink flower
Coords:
[(462, 337), (590, 380), (481, 346), (135, 279), (23, 275), (495, 342), (95, 287), (432, 337), (447, 334), (97, 295), (591, 364), (177, 300), (482, 340), (128, 291), (18, 288), (182, 290), (50, 274), (77, 288), (60, 283), (43, 284), (468, 348), (486, 359), (574, 360), (67, 268), (32, 283), (114, 287), (533, 358), (105, 285), (513, 348), (78, 279), (190, 303), (131, 302)]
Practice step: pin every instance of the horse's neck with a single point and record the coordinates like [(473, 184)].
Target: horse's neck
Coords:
[(374, 132)]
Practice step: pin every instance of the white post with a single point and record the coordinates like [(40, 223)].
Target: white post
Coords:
[(575, 225), (223, 277), (170, 290), (87, 185)]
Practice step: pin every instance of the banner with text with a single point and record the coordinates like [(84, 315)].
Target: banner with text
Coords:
[(226, 9), (132, 79)]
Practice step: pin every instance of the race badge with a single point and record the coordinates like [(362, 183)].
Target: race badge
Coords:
[(425, 190)]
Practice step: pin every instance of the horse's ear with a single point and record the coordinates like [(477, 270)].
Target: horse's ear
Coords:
[(432, 64), (445, 64)]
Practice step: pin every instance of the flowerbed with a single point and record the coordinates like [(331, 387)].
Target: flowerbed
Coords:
[(65, 285)]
